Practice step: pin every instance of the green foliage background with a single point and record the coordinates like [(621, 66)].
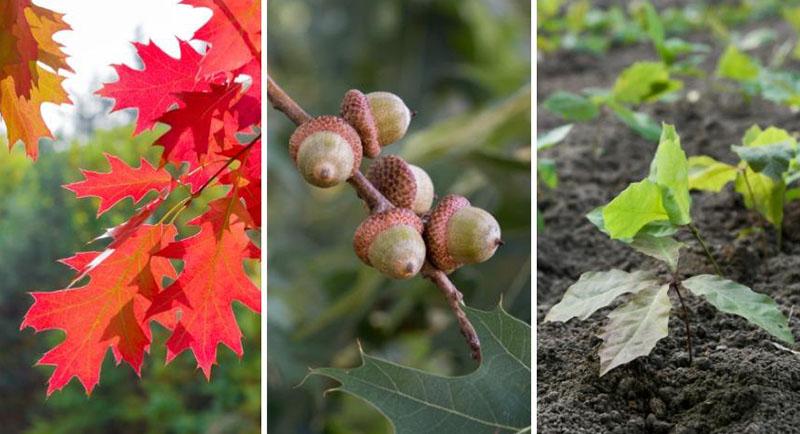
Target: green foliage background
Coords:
[(464, 66), (40, 222)]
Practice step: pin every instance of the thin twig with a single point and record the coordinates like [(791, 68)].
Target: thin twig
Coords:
[(699, 239), (377, 202)]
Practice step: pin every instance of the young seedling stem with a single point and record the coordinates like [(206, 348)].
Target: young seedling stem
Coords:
[(675, 286), (699, 239), (377, 202)]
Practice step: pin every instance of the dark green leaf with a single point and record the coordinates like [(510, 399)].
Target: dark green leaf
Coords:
[(571, 106)]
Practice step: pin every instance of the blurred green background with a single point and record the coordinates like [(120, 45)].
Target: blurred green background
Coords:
[(464, 66), (40, 222)]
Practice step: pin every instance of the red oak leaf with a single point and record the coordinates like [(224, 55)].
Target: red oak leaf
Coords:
[(120, 182), (193, 123), (26, 39), (213, 277), (108, 312), (152, 90), (233, 34)]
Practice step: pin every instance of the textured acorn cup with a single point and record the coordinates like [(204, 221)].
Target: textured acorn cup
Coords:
[(458, 233), (391, 241), (355, 110), (405, 185), (391, 116), (326, 150)]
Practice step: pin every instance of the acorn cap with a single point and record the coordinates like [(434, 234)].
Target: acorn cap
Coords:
[(355, 110), (321, 146), (436, 231), (393, 177), (391, 114), (377, 223)]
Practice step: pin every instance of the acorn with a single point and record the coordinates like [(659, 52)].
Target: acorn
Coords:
[(391, 241), (355, 110), (326, 150), (458, 233), (405, 185), (392, 117)]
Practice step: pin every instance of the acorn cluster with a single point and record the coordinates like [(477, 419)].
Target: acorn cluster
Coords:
[(328, 150)]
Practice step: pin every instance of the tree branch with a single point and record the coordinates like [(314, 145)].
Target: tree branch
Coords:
[(377, 202)]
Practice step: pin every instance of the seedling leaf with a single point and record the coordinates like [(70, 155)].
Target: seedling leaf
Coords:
[(662, 248), (636, 206), (771, 160), (635, 327), (552, 137), (767, 195), (731, 297), (571, 107), (708, 174), (596, 290), (639, 122), (736, 65), (546, 169), (644, 82), (670, 170)]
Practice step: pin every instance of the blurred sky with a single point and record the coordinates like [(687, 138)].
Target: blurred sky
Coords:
[(102, 32)]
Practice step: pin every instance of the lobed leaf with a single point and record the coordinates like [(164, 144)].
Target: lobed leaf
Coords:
[(595, 290), (635, 327), (493, 399), (732, 297)]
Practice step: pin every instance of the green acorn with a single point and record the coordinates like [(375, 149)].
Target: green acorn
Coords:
[(458, 233), (326, 150), (391, 241), (391, 116)]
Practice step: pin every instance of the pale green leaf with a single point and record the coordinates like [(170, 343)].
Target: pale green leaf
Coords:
[(635, 327), (546, 170), (552, 137), (644, 82), (493, 399), (708, 174), (636, 206), (751, 134), (663, 248), (736, 65), (772, 135), (670, 170), (595, 290), (763, 194), (571, 107), (639, 122), (732, 297)]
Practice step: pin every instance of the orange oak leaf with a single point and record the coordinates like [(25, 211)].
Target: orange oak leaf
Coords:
[(152, 90), (213, 277), (108, 312), (26, 44), (233, 34), (119, 182)]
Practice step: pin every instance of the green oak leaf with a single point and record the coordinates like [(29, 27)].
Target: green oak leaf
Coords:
[(663, 248), (595, 290), (635, 327), (762, 193), (493, 399), (736, 65), (708, 174), (570, 106), (732, 297), (644, 82), (636, 206), (670, 170), (552, 137), (770, 159), (751, 134), (771, 135), (639, 122)]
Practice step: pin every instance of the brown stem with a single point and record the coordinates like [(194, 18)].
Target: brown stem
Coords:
[(377, 202), (700, 240), (675, 285), (455, 299)]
